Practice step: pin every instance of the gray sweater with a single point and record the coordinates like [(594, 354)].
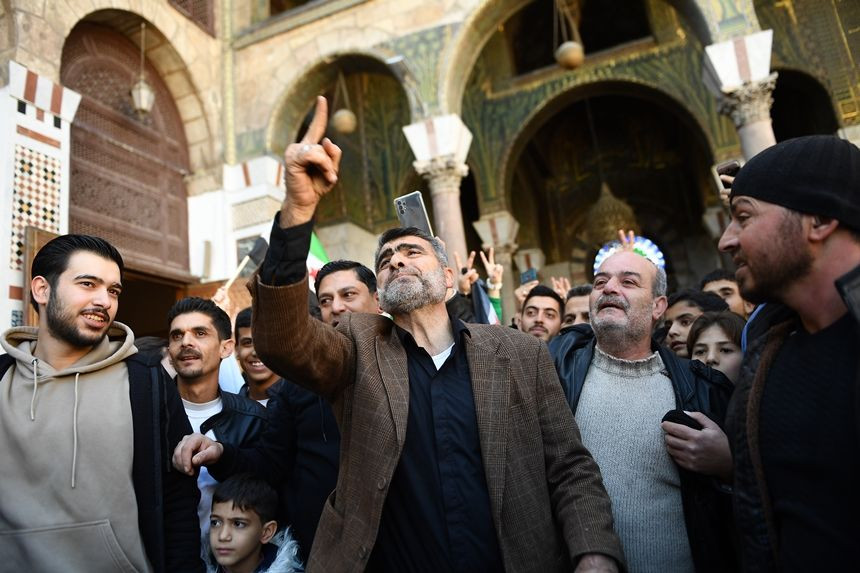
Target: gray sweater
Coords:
[(619, 415)]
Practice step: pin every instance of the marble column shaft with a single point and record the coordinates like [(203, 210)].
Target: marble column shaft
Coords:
[(443, 176)]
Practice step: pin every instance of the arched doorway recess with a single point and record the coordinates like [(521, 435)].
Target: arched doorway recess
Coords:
[(127, 171), (648, 153)]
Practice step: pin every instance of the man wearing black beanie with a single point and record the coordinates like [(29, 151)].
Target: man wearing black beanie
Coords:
[(794, 420)]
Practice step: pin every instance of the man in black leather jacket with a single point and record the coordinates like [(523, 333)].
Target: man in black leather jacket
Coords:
[(627, 300), (198, 339)]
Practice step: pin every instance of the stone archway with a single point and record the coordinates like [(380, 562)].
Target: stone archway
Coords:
[(180, 51), (798, 90), (292, 105), (646, 149), (377, 160), (7, 39), (127, 172)]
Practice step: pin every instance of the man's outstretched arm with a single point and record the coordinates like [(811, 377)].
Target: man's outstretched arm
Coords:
[(287, 339)]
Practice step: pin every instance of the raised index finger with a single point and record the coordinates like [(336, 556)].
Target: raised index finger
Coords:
[(316, 130)]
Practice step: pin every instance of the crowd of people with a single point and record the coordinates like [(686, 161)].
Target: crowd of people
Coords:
[(396, 421)]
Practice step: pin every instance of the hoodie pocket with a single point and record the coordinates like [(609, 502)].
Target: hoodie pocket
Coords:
[(90, 546)]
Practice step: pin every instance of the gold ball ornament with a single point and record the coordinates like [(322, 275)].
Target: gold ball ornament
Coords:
[(344, 121), (570, 55)]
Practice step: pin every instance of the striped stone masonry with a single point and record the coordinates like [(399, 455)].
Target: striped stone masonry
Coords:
[(35, 120)]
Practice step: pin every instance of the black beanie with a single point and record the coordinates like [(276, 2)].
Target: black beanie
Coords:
[(816, 175)]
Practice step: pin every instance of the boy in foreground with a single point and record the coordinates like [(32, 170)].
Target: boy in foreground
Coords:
[(242, 530)]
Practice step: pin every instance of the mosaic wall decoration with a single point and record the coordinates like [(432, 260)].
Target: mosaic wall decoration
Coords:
[(35, 198)]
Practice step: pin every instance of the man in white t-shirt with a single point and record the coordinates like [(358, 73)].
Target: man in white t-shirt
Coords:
[(198, 340)]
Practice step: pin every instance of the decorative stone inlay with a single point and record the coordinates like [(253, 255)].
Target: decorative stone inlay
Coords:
[(35, 198)]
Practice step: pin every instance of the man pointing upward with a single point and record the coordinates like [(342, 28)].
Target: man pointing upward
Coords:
[(459, 452)]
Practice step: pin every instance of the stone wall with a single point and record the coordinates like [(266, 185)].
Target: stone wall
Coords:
[(186, 57)]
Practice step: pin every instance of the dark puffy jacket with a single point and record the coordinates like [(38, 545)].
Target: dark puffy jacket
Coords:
[(698, 388), (298, 454), (240, 422), (752, 509)]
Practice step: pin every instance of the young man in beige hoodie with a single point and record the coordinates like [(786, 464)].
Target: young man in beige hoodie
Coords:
[(86, 428)]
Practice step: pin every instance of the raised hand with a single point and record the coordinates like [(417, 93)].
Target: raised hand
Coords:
[(467, 273), (222, 299), (523, 291), (627, 239), (560, 286), (494, 270), (726, 189), (311, 168)]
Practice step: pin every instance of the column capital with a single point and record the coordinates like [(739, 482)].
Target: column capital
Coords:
[(529, 259), (446, 168), (750, 102), (498, 230), (442, 136)]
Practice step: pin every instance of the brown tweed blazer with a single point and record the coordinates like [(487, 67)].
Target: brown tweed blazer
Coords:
[(547, 498)]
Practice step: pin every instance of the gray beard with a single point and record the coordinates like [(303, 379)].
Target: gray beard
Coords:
[(403, 297), (613, 337)]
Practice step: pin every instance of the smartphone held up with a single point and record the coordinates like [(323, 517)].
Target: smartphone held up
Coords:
[(412, 213)]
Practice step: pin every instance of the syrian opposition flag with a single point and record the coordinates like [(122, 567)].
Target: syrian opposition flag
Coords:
[(317, 257), (481, 305)]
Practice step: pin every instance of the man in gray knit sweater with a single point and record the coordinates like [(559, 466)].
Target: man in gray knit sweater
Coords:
[(619, 386)]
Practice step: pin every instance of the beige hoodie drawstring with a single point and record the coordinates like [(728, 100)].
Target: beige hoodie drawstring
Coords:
[(35, 363), (35, 386), (75, 431)]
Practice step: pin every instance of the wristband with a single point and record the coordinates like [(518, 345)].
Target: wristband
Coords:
[(493, 286)]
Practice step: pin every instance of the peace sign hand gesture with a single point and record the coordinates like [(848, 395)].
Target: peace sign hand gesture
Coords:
[(311, 168)]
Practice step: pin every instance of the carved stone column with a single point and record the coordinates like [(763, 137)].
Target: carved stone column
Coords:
[(440, 145), (443, 175), (737, 72), (749, 107)]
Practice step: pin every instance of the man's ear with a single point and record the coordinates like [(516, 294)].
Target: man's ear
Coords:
[(227, 348), (661, 303), (40, 290), (269, 530), (821, 228), (449, 277)]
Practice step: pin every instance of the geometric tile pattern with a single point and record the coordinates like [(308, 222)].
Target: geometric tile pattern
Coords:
[(35, 198), (17, 318)]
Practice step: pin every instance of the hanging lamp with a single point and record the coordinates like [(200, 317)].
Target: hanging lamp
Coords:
[(142, 94), (343, 120), (570, 54), (609, 213)]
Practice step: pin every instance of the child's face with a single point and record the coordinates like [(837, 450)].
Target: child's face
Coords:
[(714, 348), (237, 536)]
